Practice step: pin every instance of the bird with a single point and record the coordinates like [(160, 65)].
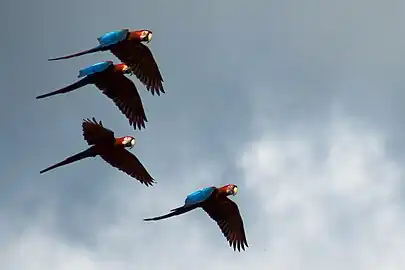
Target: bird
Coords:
[(215, 202), (111, 149), (111, 80), (128, 46)]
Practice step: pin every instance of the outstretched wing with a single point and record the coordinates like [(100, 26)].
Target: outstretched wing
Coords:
[(123, 92), (226, 214), (140, 59), (95, 133), (128, 163)]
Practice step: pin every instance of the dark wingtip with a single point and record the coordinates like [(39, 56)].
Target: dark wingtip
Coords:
[(150, 183)]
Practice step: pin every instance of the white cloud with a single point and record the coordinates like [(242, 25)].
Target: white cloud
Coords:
[(334, 207)]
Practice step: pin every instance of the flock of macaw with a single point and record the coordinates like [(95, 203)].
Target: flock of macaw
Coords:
[(137, 59)]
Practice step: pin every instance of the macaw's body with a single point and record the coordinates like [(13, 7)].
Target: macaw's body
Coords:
[(215, 202), (128, 47), (111, 80), (112, 150)]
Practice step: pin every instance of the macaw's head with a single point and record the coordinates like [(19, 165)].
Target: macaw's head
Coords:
[(141, 35), (122, 68), (126, 141), (230, 189)]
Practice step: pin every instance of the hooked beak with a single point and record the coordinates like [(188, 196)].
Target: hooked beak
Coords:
[(149, 38), (132, 144), (235, 190)]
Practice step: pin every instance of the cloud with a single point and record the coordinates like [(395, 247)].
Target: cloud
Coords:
[(331, 207), (332, 203), (36, 250)]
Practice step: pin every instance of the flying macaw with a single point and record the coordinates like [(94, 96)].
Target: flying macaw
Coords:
[(215, 202), (111, 80), (112, 150), (128, 47)]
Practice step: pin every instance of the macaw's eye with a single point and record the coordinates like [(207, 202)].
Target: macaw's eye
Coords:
[(126, 70), (126, 141), (144, 35)]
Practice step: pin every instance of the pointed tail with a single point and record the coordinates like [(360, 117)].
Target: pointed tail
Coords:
[(174, 212), (85, 154), (92, 50), (68, 88)]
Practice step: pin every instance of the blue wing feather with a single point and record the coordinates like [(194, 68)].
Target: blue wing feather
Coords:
[(98, 67), (113, 37), (199, 196)]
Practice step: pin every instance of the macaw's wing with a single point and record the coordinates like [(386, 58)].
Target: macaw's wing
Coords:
[(199, 196), (140, 59), (126, 162), (125, 96), (95, 133), (226, 214)]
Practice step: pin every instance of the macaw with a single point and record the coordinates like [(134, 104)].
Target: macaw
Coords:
[(111, 80), (215, 202), (128, 47), (112, 150)]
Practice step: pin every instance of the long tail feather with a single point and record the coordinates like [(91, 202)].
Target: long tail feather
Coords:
[(174, 212), (92, 50), (85, 154), (69, 88)]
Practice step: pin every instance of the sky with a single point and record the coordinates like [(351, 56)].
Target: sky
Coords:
[(299, 103)]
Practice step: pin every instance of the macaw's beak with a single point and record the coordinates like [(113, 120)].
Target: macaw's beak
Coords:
[(235, 190), (149, 38), (132, 144)]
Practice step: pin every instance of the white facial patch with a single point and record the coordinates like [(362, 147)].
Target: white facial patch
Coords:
[(144, 34), (126, 140)]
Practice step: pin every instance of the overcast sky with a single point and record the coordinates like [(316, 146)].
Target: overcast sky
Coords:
[(299, 103)]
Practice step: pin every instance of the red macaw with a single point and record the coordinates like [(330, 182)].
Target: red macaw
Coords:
[(128, 47), (111, 80), (112, 150), (215, 202)]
